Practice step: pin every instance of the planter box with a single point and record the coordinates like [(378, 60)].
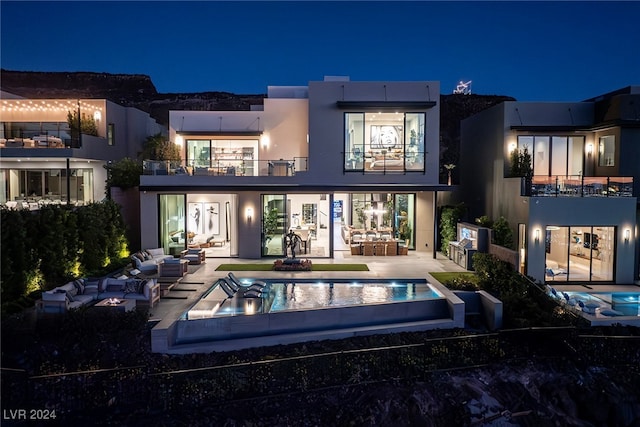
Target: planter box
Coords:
[(292, 265)]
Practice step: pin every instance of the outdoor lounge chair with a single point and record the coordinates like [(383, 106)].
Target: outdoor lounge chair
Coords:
[(233, 285), (258, 284), (252, 293), (224, 285)]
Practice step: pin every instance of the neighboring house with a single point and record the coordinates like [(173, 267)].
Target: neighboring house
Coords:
[(576, 219), (45, 160), (328, 160)]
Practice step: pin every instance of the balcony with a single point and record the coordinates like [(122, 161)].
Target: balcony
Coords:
[(240, 167), (577, 186)]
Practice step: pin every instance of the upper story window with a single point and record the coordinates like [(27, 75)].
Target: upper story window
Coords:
[(607, 151), (384, 142), (554, 155), (236, 157)]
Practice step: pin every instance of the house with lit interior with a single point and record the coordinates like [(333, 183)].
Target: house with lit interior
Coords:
[(339, 163), (55, 150), (575, 214)]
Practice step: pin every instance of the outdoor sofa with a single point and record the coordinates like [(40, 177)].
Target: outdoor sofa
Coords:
[(147, 260), (85, 292)]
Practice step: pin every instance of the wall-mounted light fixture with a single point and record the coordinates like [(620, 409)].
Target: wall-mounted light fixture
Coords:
[(589, 149), (536, 235), (512, 147), (97, 116), (627, 235), (264, 140), (249, 213), (179, 141)]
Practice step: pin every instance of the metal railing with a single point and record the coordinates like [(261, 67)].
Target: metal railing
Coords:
[(577, 186), (240, 167)]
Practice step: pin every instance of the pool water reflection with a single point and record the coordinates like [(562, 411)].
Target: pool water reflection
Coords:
[(307, 296), (282, 296)]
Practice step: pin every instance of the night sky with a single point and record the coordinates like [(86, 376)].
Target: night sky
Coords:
[(533, 51)]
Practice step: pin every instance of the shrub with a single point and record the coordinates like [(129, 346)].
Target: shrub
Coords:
[(124, 174), (449, 225), (502, 233)]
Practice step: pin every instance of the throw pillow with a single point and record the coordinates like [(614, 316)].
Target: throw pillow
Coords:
[(69, 296), (139, 256), (131, 287), (79, 284), (141, 285)]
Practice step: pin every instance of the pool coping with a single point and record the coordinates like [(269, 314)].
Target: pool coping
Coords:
[(163, 335)]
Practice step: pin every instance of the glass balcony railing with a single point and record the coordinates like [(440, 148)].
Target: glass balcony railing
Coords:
[(577, 186), (279, 167)]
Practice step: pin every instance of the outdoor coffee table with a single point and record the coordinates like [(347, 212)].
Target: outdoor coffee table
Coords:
[(124, 304)]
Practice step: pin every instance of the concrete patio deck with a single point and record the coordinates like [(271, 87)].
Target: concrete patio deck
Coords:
[(201, 277)]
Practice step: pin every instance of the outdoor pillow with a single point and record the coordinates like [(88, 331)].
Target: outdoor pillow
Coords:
[(131, 287), (155, 252), (79, 284), (136, 261)]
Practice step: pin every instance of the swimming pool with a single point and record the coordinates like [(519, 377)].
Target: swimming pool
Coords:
[(305, 306), (310, 295), (601, 304)]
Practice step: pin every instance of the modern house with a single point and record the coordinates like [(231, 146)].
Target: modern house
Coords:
[(575, 213), (55, 150), (335, 161)]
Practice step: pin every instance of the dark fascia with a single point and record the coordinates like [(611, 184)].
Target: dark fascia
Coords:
[(385, 105), (311, 188), (582, 128), (567, 128), (220, 133)]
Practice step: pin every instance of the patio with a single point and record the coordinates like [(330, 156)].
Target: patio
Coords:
[(201, 277)]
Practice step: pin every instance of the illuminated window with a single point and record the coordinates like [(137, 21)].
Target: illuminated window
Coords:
[(607, 151)]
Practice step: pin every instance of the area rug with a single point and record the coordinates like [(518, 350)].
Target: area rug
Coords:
[(269, 267)]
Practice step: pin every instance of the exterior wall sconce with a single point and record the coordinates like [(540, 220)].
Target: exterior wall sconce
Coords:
[(249, 214), (627, 235), (536, 235), (97, 116), (512, 147), (264, 141), (589, 149)]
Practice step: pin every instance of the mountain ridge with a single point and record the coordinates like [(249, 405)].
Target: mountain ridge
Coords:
[(138, 90)]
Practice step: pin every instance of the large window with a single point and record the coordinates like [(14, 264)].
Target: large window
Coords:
[(9, 130), (173, 236), (384, 142), (224, 156), (274, 223), (579, 253), (607, 151), (554, 155), (383, 213), (48, 185)]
